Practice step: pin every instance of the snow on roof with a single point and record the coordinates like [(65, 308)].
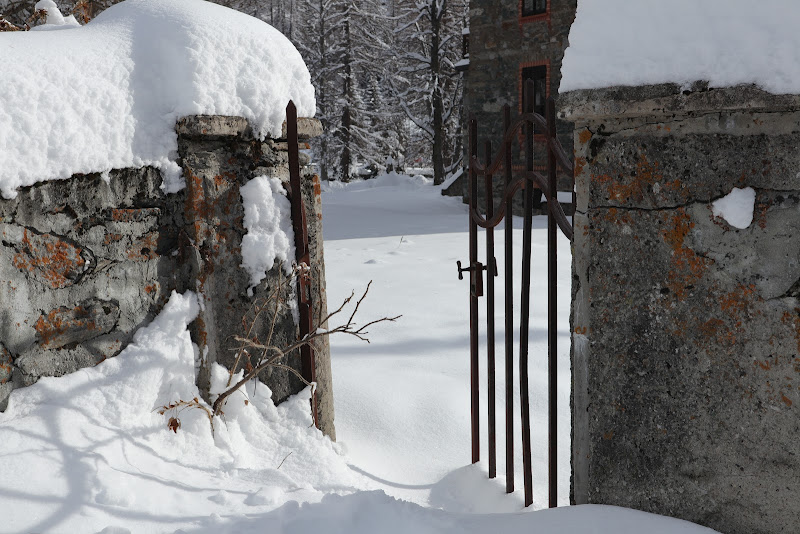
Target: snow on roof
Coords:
[(726, 42), (107, 95)]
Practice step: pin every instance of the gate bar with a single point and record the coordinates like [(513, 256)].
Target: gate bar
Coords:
[(525, 306), (308, 365), (552, 310), (509, 279), (473, 299), (490, 333)]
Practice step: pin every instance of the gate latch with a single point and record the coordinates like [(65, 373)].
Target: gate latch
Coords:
[(476, 276)]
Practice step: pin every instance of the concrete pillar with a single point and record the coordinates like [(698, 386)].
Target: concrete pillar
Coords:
[(686, 328)]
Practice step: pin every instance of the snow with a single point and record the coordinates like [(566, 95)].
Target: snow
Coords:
[(268, 221), (55, 20), (90, 452), (107, 95), (394, 231), (736, 207), (726, 42)]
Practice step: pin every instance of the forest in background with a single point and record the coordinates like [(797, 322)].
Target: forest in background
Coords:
[(387, 92)]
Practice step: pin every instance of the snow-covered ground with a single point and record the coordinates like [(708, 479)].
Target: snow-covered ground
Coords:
[(90, 452), (402, 402)]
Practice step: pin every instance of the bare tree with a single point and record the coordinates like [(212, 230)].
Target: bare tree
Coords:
[(269, 355), (427, 85)]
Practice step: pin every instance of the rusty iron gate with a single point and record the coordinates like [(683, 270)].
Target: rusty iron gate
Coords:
[(534, 185)]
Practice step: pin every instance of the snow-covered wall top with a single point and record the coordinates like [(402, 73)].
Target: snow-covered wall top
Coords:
[(106, 95), (726, 42)]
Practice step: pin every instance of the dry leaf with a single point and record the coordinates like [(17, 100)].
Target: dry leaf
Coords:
[(174, 424)]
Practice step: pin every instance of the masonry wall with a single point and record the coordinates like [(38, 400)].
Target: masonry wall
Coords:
[(501, 43), (686, 330), (85, 262)]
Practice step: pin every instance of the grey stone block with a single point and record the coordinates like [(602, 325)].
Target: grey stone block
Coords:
[(686, 330)]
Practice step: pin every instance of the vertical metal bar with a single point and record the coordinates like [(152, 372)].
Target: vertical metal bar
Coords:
[(509, 296), (473, 297), (490, 333), (525, 305), (308, 367), (552, 308)]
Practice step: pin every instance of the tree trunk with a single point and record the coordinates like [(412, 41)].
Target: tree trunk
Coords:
[(346, 135), (437, 102)]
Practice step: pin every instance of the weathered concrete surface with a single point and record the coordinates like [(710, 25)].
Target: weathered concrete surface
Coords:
[(85, 262), (686, 330)]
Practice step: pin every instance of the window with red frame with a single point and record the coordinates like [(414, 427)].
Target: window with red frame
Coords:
[(538, 74), (533, 7)]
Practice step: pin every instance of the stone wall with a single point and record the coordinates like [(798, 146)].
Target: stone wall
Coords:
[(501, 43), (686, 330), (85, 262)]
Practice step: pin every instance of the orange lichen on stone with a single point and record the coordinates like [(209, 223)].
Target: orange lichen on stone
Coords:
[(146, 249), (617, 216), (150, 289), (580, 163), (224, 179), (738, 301), (53, 325), (202, 333), (646, 176), (6, 361), (111, 238), (53, 259), (786, 400), (687, 267), (585, 136), (133, 215)]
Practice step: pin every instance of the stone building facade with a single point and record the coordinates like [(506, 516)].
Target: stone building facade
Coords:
[(85, 262), (510, 40), (686, 325)]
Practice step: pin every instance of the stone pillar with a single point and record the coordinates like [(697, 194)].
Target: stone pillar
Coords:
[(85, 262), (219, 155), (686, 329)]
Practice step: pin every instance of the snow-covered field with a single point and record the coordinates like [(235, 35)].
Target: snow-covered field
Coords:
[(90, 452)]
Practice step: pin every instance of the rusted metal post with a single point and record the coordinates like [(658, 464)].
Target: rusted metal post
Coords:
[(490, 333), (525, 305), (475, 275), (509, 296), (308, 368), (552, 309)]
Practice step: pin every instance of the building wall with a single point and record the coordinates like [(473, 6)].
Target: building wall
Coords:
[(686, 330), (85, 262), (501, 44)]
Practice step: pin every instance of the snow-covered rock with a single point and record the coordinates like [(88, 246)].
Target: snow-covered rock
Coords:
[(726, 42), (107, 95)]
